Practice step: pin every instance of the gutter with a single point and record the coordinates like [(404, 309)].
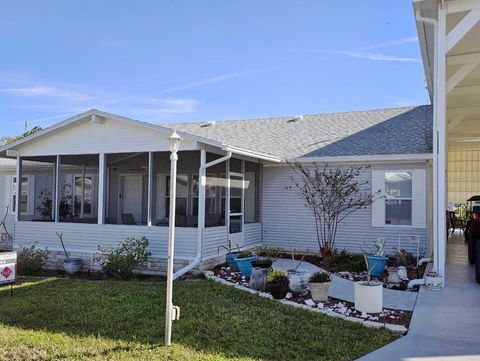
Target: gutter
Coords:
[(201, 222)]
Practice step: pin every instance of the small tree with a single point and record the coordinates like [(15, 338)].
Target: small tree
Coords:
[(332, 194)]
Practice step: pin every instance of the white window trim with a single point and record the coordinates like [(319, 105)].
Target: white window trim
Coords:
[(208, 175), (30, 194), (93, 190), (419, 198), (162, 193)]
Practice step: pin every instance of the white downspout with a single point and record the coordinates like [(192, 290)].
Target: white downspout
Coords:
[(436, 215), (201, 209)]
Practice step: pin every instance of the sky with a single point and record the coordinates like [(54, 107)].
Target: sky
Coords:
[(199, 60)]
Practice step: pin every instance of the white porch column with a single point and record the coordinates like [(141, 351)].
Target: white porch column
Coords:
[(18, 190), (150, 188), (440, 151), (101, 188), (202, 178), (82, 196), (58, 197)]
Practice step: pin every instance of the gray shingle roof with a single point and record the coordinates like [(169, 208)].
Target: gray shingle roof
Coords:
[(405, 130)]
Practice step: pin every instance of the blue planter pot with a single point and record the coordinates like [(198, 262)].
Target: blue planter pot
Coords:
[(230, 257), (377, 264), (245, 265)]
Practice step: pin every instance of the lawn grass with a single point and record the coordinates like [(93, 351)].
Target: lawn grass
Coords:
[(73, 319)]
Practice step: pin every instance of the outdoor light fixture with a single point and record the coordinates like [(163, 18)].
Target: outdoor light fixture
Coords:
[(172, 312)]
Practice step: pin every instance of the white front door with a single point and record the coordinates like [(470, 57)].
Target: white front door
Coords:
[(236, 195), (131, 196)]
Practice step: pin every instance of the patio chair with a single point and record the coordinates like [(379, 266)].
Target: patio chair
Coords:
[(128, 218)]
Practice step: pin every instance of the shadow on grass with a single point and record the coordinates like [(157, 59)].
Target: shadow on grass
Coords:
[(215, 319)]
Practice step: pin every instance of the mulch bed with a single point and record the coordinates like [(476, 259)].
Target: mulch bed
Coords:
[(333, 304)]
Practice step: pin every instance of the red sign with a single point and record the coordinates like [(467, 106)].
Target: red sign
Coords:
[(8, 266)]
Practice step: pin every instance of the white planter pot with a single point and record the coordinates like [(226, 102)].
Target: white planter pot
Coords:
[(72, 265), (298, 280), (433, 283), (319, 291), (368, 299)]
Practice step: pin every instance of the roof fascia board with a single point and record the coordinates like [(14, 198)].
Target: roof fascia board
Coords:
[(393, 158), (422, 39), (248, 153)]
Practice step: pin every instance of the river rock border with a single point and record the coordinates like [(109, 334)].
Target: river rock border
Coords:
[(394, 328)]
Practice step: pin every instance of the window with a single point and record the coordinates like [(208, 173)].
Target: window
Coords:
[(210, 194), (398, 198), (403, 198), (26, 201), (182, 195), (87, 195)]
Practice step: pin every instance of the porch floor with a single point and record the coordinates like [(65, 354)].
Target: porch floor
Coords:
[(446, 323)]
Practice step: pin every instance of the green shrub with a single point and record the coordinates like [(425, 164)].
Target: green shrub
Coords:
[(120, 262), (320, 277), (274, 274), (31, 259), (345, 261), (269, 252)]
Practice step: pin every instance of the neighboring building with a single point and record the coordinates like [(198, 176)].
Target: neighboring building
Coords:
[(114, 172)]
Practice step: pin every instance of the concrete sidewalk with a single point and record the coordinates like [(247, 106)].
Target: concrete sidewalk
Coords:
[(343, 289), (445, 324)]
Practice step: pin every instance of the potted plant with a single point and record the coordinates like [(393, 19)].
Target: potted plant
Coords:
[(368, 294), (433, 281), (377, 260), (277, 284), (230, 255), (258, 278), (319, 284), (298, 277), (71, 265), (244, 261)]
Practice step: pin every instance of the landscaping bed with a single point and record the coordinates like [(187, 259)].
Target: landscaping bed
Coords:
[(333, 305), (350, 266), (75, 319)]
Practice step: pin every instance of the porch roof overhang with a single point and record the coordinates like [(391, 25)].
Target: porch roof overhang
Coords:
[(109, 133), (462, 75)]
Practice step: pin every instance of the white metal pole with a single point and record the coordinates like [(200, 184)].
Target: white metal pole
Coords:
[(18, 190), (101, 188), (82, 197), (174, 141), (150, 186), (58, 196), (441, 141)]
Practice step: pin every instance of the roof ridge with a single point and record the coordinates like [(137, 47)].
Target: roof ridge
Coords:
[(281, 117)]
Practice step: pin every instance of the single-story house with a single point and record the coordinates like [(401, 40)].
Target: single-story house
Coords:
[(108, 178), (233, 175)]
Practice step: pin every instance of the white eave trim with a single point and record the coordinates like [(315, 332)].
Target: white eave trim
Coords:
[(422, 39), (252, 154), (392, 158)]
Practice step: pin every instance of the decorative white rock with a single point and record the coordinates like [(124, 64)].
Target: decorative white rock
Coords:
[(368, 298)]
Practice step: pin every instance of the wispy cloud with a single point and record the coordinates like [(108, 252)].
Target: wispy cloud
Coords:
[(364, 52), (412, 39), (373, 56), (208, 81), (47, 91), (52, 100)]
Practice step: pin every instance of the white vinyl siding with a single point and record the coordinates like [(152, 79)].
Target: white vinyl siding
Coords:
[(418, 198), (288, 223)]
